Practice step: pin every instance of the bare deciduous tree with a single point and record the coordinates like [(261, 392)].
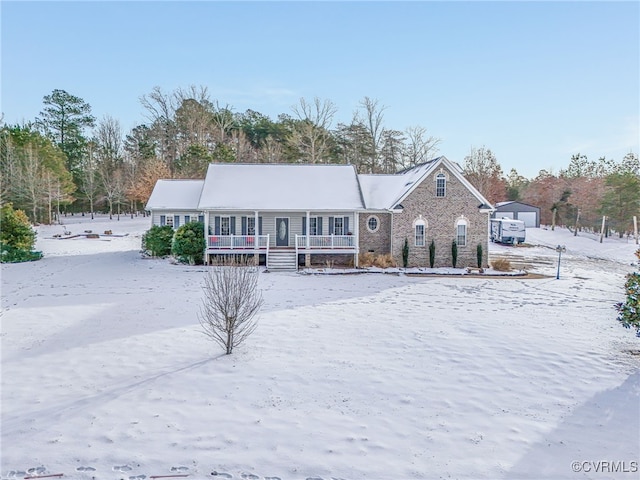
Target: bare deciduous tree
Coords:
[(152, 171), (271, 152), (373, 124), (231, 302), (160, 110), (311, 132), (110, 161), (420, 148), (90, 180), (484, 172)]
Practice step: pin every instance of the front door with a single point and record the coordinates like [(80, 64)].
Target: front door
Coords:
[(282, 232)]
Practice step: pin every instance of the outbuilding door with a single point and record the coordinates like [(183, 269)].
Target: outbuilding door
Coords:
[(282, 232), (529, 218)]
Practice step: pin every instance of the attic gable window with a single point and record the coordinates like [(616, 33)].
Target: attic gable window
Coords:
[(441, 185)]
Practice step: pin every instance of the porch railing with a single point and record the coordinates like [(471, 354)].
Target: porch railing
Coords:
[(230, 242), (323, 242)]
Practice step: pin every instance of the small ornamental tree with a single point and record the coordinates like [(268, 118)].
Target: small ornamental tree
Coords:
[(454, 253), (231, 302), (479, 255), (188, 243), (17, 238), (157, 240), (629, 310), (405, 253), (432, 254)]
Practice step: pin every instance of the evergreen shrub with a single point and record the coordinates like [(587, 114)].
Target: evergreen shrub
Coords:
[(188, 243), (629, 310), (454, 253), (17, 237), (157, 241), (432, 254)]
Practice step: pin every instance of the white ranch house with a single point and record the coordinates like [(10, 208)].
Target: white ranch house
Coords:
[(289, 215)]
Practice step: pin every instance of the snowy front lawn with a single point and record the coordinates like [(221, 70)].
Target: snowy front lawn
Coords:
[(106, 375)]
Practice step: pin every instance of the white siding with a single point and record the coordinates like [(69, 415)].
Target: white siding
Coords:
[(295, 222), (155, 215)]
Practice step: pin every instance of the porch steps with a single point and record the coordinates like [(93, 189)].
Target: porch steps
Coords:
[(281, 261)]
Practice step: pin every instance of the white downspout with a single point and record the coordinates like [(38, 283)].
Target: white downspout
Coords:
[(391, 234), (356, 232)]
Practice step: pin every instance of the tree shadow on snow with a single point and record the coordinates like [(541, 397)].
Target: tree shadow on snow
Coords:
[(604, 429)]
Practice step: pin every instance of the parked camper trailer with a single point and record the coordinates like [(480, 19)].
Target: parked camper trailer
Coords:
[(507, 230)]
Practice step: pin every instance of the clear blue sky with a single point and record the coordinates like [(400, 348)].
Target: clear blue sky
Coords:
[(533, 81)]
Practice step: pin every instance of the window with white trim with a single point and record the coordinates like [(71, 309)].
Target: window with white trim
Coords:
[(313, 225), (441, 185), (338, 226), (373, 223), (461, 232), (420, 227), (225, 225)]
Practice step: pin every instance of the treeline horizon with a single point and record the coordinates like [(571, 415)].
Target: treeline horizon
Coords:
[(67, 160)]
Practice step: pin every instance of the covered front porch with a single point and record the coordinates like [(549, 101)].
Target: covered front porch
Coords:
[(290, 236)]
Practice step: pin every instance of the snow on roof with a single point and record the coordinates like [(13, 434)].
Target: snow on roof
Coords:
[(175, 195), (386, 191), (382, 192), (281, 187)]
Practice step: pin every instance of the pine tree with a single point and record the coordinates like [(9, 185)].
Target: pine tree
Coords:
[(64, 119)]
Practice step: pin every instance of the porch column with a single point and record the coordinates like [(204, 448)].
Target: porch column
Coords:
[(256, 232), (307, 255), (206, 237)]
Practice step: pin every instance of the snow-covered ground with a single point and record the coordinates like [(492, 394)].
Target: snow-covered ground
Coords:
[(106, 375)]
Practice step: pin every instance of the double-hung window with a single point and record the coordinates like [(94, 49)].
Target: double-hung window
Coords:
[(420, 234), (461, 233), (225, 225), (338, 226), (313, 225), (251, 225)]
